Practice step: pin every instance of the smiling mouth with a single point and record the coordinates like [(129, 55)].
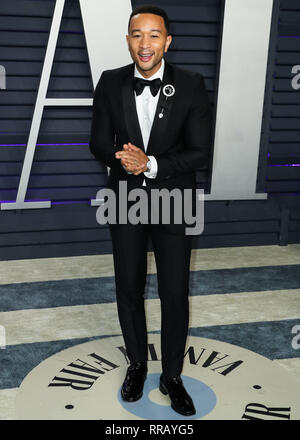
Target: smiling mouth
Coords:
[(145, 57)]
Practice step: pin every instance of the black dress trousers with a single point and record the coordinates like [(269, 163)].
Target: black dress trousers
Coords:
[(172, 256)]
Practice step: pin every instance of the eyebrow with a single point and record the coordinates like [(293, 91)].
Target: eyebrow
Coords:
[(139, 30)]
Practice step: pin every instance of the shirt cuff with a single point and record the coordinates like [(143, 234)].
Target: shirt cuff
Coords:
[(153, 173)]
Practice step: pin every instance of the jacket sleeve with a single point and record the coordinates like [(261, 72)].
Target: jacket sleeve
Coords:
[(102, 136), (197, 138)]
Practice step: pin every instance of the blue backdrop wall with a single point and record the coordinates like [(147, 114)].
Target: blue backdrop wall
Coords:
[(65, 172)]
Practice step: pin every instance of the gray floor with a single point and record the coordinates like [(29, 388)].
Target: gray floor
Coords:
[(247, 296)]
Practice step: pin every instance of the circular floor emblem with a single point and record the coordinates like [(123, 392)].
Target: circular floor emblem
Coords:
[(224, 380), (147, 408)]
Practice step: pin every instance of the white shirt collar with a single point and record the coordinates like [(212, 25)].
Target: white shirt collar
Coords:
[(158, 74)]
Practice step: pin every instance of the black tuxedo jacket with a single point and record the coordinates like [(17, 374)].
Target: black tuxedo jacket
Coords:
[(180, 141)]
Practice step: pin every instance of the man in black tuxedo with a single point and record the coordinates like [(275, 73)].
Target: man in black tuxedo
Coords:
[(173, 126)]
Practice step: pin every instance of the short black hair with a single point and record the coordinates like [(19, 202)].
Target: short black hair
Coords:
[(151, 9)]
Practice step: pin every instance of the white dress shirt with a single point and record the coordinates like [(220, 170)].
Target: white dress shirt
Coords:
[(146, 105)]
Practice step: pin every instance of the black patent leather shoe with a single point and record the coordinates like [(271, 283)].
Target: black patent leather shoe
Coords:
[(132, 388), (181, 401)]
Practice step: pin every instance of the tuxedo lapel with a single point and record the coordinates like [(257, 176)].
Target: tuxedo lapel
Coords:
[(130, 112), (160, 125)]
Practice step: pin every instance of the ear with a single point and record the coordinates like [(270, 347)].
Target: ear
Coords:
[(168, 42)]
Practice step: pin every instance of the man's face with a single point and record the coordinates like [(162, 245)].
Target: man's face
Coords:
[(147, 42)]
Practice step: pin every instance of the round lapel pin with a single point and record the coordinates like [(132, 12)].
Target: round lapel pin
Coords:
[(168, 90)]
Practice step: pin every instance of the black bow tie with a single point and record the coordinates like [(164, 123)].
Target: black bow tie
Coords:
[(139, 84)]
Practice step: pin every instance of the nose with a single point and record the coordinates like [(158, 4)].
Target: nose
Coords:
[(145, 42)]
